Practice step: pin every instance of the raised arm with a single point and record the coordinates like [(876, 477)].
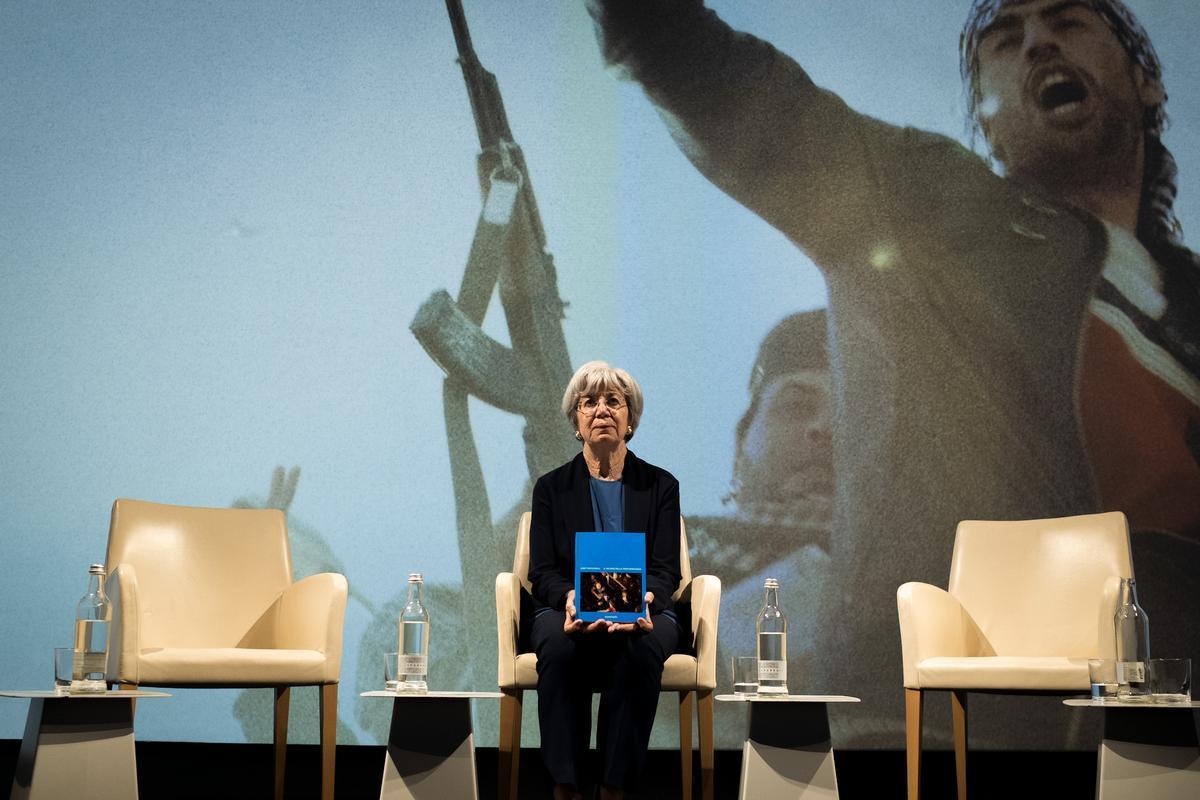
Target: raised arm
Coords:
[(756, 125)]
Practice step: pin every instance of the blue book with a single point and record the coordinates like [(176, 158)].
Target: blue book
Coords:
[(610, 576)]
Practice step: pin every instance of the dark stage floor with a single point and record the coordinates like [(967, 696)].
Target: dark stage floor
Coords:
[(182, 770)]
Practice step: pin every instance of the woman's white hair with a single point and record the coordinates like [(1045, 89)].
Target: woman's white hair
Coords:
[(594, 379)]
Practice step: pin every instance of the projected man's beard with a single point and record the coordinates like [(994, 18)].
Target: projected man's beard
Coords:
[(804, 497), (1105, 145)]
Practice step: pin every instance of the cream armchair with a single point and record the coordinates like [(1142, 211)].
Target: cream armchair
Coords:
[(204, 598), (1028, 604), (693, 677)]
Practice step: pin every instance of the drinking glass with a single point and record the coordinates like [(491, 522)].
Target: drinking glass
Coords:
[(1103, 675), (745, 676), (64, 665), (1170, 680), (391, 676)]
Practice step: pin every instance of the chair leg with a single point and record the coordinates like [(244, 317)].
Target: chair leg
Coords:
[(283, 695), (129, 687), (510, 743), (686, 706), (958, 713), (329, 699), (704, 709), (914, 699)]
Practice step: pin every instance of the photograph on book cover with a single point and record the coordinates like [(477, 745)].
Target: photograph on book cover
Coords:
[(610, 569), (610, 592)]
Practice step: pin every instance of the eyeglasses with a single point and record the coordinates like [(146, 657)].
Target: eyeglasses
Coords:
[(590, 405)]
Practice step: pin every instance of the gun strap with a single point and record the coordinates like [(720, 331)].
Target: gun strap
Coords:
[(488, 246)]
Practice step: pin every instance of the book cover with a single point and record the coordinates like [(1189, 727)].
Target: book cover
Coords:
[(610, 576)]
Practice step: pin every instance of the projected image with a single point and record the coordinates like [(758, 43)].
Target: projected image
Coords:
[(882, 267), (947, 396), (611, 591), (992, 342)]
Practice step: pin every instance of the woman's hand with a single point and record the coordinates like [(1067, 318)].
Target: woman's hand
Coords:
[(645, 623), (571, 623)]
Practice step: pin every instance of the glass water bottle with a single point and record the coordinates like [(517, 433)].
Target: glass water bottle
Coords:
[(93, 614), (1132, 628), (414, 640), (771, 627)]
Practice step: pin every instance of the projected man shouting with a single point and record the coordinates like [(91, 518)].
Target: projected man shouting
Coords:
[(1010, 343)]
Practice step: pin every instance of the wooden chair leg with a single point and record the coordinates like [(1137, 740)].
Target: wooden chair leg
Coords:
[(914, 699), (283, 695), (958, 713), (704, 709), (129, 687), (686, 710), (508, 769), (329, 700)]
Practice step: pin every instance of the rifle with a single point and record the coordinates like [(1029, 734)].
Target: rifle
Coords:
[(509, 249)]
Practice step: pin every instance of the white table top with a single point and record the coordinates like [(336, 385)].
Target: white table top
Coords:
[(1087, 702), (788, 698), (111, 694), (434, 695)]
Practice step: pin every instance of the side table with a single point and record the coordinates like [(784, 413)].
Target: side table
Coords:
[(430, 747), (787, 752), (78, 745), (1148, 750)]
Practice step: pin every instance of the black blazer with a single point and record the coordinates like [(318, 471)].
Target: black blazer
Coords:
[(562, 505)]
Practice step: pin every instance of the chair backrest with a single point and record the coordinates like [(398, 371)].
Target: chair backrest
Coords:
[(204, 575), (521, 556), (1036, 587)]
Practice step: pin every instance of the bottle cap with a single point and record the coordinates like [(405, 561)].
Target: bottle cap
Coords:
[(771, 583), (415, 577), (97, 569)]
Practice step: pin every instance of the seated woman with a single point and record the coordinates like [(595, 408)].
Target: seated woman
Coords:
[(604, 488)]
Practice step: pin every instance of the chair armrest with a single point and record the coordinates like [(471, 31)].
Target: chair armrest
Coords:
[(308, 615), (934, 623), (704, 594), (123, 635), (508, 611)]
